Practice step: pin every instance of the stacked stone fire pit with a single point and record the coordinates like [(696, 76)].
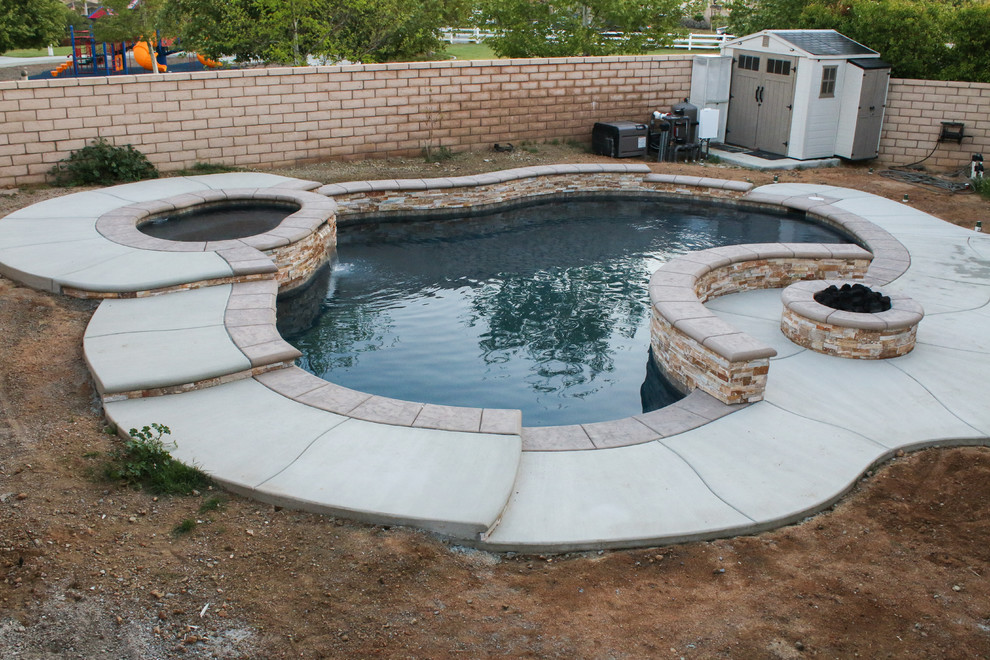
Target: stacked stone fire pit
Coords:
[(881, 327)]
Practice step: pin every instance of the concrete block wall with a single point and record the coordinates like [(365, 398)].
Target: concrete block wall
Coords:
[(274, 117), (914, 113)]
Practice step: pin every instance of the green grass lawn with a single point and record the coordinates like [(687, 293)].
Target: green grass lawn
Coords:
[(470, 52), (38, 52)]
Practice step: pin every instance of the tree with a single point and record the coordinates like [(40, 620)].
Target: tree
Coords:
[(130, 22), (31, 23), (126, 22), (561, 28), (288, 31), (920, 38), (969, 56)]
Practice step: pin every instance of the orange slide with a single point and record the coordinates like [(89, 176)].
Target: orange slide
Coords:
[(143, 57), (208, 62)]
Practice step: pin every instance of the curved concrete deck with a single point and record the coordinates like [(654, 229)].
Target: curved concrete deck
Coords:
[(275, 433)]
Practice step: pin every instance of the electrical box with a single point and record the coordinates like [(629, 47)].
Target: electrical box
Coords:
[(619, 139), (708, 124)]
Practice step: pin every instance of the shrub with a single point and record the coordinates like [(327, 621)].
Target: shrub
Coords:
[(100, 163), (145, 462)]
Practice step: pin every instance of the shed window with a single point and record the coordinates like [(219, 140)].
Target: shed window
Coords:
[(782, 67), (829, 74), (749, 62)]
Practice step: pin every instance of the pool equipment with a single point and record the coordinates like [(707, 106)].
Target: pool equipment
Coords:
[(619, 139)]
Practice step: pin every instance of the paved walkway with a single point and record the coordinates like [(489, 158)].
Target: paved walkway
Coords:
[(824, 420), (6, 62)]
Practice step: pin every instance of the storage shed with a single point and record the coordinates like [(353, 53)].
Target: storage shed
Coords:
[(805, 94)]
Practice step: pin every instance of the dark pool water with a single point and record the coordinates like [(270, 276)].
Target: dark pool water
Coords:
[(545, 308), (219, 222)]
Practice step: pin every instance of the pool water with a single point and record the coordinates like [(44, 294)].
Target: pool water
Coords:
[(219, 222), (543, 308)]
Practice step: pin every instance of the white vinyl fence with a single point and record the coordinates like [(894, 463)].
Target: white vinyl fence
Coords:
[(690, 42)]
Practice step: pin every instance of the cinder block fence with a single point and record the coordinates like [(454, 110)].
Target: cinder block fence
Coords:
[(271, 117)]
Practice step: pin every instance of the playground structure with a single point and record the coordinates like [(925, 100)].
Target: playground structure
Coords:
[(91, 58)]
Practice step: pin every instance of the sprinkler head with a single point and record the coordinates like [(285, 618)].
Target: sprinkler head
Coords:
[(776, 178), (871, 170), (979, 225), (905, 198)]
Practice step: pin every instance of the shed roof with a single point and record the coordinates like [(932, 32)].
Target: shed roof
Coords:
[(823, 42)]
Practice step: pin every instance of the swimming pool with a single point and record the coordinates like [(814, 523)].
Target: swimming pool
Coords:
[(542, 307)]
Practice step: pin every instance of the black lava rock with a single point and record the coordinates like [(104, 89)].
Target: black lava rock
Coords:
[(853, 298)]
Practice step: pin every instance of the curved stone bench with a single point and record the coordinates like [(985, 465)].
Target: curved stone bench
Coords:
[(695, 348), (890, 258)]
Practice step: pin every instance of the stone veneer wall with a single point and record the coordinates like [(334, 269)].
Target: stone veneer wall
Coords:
[(691, 364), (298, 261), (283, 116), (847, 342), (374, 202), (775, 274)]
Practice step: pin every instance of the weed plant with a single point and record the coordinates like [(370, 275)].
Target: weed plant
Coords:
[(206, 168), (145, 462), (214, 503), (184, 527), (437, 154), (981, 186), (100, 163)]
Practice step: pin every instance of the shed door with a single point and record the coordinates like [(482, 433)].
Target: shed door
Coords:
[(762, 93), (869, 117)]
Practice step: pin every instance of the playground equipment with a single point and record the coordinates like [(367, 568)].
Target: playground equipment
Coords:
[(207, 62), (90, 58), (142, 55)]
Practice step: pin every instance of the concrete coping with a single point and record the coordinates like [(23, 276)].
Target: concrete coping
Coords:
[(696, 409), (890, 258), (490, 178), (121, 224), (250, 322), (699, 181), (904, 312), (304, 387)]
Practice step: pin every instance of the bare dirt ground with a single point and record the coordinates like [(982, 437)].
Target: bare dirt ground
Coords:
[(899, 569)]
